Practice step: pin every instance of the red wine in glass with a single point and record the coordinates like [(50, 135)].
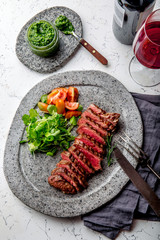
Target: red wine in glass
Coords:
[(147, 46), (145, 66)]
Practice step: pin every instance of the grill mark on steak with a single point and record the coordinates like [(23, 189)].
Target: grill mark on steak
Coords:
[(81, 159), (91, 132), (96, 109), (93, 144), (88, 148), (94, 160), (68, 176), (60, 183), (96, 118), (69, 157), (93, 124), (111, 118), (69, 166)]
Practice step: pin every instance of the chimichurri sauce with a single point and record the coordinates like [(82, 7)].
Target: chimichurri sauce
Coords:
[(41, 33), (64, 25)]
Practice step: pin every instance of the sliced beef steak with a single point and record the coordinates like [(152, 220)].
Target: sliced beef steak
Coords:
[(93, 124), (97, 119), (69, 157), (85, 129), (84, 157), (81, 158), (96, 109), (60, 183), (69, 166), (92, 157), (91, 142), (68, 176), (90, 115), (111, 117), (95, 153)]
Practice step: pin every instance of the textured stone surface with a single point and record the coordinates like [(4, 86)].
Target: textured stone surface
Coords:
[(27, 176), (68, 44)]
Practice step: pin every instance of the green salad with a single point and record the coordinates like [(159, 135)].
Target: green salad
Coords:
[(49, 132)]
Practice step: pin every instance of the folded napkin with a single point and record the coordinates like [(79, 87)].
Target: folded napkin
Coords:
[(119, 213)]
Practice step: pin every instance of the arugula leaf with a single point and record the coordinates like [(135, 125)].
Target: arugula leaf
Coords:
[(44, 98), (26, 119), (23, 141), (52, 109), (49, 132), (80, 108), (33, 113), (73, 121)]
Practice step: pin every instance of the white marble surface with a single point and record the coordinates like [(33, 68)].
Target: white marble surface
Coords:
[(17, 221)]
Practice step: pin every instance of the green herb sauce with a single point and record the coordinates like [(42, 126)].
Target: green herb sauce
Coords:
[(64, 25), (41, 33)]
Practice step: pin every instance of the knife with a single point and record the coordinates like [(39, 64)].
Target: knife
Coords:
[(138, 181), (92, 50)]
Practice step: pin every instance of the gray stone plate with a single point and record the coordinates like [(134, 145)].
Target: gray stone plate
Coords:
[(27, 175), (68, 44)]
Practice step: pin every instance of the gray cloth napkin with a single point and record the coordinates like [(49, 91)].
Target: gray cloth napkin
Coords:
[(119, 213)]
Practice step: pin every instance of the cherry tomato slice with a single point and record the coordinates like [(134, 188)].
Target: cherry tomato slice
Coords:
[(43, 107), (71, 105), (64, 89), (56, 94), (70, 114), (60, 105), (72, 95)]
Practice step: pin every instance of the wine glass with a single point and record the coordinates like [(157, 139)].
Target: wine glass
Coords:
[(145, 65)]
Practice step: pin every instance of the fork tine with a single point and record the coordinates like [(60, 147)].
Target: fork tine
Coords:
[(142, 159), (153, 171), (135, 144), (127, 149), (130, 145)]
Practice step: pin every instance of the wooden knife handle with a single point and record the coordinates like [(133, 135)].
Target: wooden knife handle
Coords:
[(93, 51)]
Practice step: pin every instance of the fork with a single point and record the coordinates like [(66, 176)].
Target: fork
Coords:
[(140, 156)]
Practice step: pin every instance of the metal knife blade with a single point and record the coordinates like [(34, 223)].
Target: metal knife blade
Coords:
[(138, 181)]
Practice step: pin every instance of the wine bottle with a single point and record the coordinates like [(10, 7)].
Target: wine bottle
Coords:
[(128, 17)]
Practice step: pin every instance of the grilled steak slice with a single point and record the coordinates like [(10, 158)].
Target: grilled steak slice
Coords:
[(80, 157), (93, 124), (91, 116), (85, 129), (111, 117), (60, 183), (68, 176), (68, 156), (94, 160), (97, 110), (78, 142), (91, 142), (69, 166)]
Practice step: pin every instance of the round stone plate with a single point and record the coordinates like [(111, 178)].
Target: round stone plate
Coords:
[(68, 44), (27, 175)]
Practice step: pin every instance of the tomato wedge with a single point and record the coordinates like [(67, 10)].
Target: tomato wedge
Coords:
[(59, 89), (56, 94), (72, 95), (70, 114), (43, 107), (71, 105), (60, 105)]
